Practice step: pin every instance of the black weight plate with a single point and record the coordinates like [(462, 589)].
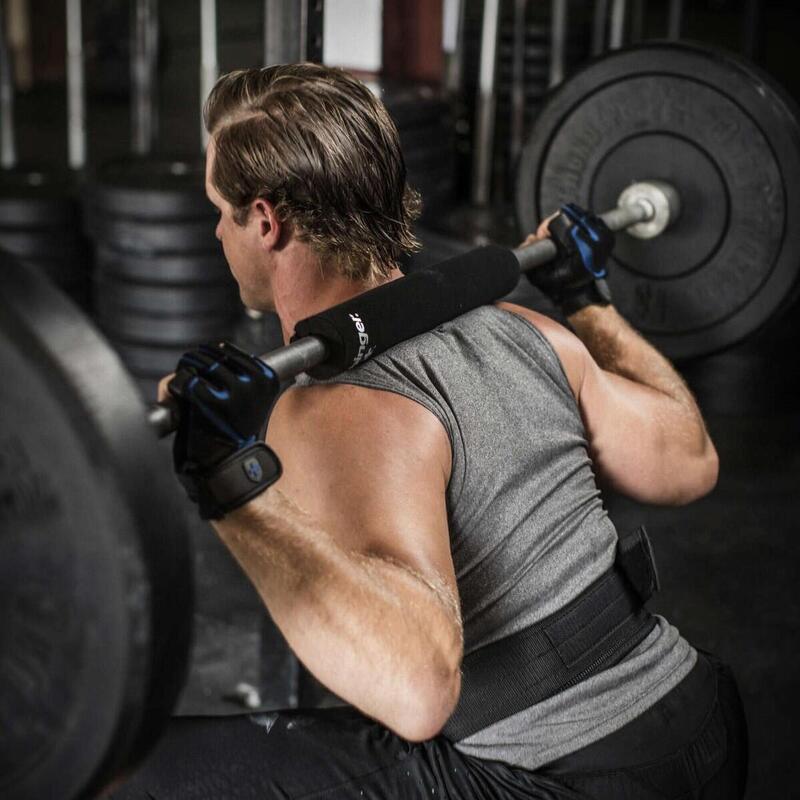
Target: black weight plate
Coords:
[(194, 269), (179, 331), (165, 300), (64, 271), (146, 361), (95, 566), (789, 108), (147, 237), (156, 189), (44, 243), (36, 198), (730, 145)]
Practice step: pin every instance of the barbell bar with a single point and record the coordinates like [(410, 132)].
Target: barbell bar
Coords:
[(647, 207)]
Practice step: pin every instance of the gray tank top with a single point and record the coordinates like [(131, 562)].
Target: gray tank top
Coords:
[(528, 531)]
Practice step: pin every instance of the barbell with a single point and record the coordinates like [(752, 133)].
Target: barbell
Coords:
[(343, 336), (95, 564)]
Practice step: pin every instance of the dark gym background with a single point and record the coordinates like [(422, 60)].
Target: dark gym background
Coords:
[(728, 563)]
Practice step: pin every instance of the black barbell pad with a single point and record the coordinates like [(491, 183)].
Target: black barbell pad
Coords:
[(393, 312)]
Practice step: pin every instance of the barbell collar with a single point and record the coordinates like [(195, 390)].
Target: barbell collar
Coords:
[(638, 205), (661, 198), (287, 362)]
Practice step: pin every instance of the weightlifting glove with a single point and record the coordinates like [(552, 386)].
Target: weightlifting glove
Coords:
[(576, 277), (219, 454)]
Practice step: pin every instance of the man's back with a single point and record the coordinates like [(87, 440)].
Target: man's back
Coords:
[(528, 531)]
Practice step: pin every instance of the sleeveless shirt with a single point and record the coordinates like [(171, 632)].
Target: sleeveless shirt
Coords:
[(528, 530)]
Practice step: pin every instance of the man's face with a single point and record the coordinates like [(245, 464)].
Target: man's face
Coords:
[(241, 245)]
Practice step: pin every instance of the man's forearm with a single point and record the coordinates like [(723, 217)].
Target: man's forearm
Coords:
[(374, 632), (618, 348)]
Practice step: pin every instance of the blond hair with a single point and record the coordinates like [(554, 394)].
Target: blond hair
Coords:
[(318, 144)]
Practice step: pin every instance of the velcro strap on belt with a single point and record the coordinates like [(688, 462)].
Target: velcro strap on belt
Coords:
[(591, 633)]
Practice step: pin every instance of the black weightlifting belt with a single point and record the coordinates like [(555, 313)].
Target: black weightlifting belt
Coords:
[(590, 634)]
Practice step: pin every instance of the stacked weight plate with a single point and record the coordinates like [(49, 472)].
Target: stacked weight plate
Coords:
[(161, 282), (40, 225), (424, 123)]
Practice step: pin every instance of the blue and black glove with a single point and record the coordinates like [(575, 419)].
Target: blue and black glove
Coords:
[(219, 453), (576, 277)]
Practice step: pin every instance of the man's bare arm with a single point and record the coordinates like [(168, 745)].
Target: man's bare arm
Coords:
[(673, 422), (618, 348), (361, 581), (646, 435)]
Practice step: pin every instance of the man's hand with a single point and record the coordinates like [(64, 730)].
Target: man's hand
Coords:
[(575, 278), (219, 454)]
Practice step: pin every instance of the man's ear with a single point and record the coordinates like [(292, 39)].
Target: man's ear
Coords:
[(269, 226)]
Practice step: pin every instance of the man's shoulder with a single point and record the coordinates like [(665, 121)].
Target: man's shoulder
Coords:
[(345, 406), (325, 428)]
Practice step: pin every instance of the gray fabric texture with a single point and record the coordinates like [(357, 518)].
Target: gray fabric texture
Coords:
[(528, 530)]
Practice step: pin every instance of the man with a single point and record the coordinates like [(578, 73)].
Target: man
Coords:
[(436, 503)]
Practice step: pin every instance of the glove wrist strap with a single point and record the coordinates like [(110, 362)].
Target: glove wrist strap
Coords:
[(594, 293), (237, 480)]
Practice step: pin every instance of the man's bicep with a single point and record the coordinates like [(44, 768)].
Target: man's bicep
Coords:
[(372, 468)]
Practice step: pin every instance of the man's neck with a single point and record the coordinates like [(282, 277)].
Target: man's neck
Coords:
[(303, 286)]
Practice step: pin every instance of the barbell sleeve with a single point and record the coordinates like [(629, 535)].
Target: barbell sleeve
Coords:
[(348, 334)]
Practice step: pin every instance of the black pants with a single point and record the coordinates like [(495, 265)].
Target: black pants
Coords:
[(691, 744)]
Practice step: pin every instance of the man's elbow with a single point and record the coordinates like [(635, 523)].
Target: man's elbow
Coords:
[(700, 478), (427, 706), (711, 474)]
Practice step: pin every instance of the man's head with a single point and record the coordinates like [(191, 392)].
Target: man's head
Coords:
[(321, 149)]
